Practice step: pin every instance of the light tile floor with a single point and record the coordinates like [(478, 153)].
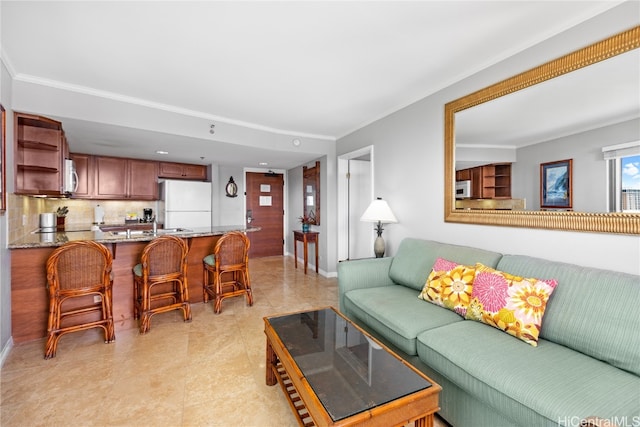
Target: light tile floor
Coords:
[(210, 372)]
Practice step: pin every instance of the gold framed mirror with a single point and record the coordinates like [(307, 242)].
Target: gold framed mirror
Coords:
[(311, 193), (607, 222)]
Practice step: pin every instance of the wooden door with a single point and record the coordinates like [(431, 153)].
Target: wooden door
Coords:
[(265, 207)]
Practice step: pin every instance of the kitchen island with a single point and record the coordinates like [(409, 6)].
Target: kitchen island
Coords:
[(29, 298)]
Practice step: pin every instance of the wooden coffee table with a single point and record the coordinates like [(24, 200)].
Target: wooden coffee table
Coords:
[(335, 374)]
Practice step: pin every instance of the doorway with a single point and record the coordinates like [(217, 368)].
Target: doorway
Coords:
[(265, 209), (355, 193)]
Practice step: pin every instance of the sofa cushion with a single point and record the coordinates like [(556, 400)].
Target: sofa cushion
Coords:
[(510, 303), (548, 384), (396, 314), (449, 285), (414, 259), (593, 311)]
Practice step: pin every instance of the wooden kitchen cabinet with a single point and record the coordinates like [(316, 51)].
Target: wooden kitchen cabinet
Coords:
[(40, 150), (143, 179), (463, 175), (118, 178), (172, 170), (491, 181), (496, 181), (84, 169)]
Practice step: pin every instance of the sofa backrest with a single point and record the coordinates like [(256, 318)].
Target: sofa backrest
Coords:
[(412, 263), (593, 311)]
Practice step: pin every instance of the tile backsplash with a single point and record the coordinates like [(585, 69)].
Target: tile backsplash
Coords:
[(81, 212)]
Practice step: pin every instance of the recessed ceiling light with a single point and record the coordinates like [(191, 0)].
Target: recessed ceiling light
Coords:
[(161, 152), (296, 142), (263, 163)]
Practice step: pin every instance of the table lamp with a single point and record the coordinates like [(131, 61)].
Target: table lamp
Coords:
[(378, 211)]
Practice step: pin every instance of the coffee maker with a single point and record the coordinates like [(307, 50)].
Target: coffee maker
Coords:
[(148, 214)]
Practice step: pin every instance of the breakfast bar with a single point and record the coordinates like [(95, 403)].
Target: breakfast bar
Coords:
[(29, 308)]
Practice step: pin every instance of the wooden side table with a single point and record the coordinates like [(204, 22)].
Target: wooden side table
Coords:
[(305, 238)]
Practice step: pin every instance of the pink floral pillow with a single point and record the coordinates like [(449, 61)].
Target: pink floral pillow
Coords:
[(449, 286), (510, 303)]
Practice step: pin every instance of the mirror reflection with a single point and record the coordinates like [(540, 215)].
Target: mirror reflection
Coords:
[(580, 110), (311, 193), (574, 116)]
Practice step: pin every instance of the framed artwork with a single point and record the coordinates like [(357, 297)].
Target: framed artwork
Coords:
[(3, 148), (556, 185)]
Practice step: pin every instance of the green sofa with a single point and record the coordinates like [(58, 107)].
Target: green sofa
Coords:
[(587, 362)]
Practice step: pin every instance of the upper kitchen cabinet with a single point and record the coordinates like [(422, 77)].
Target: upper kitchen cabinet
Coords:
[(143, 179), (496, 181), (182, 171), (40, 151), (491, 181), (84, 167), (117, 178)]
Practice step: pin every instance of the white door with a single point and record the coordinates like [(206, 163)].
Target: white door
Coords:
[(355, 192), (361, 234)]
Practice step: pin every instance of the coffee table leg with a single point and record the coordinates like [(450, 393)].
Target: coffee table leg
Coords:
[(426, 421), (272, 361)]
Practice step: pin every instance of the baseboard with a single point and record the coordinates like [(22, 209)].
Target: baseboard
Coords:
[(311, 267), (5, 351)]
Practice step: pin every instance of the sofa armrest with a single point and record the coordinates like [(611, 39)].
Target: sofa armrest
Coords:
[(363, 273)]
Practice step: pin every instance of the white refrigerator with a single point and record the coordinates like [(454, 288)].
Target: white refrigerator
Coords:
[(185, 204)]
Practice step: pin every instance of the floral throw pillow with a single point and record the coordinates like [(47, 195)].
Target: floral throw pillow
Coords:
[(449, 286), (510, 303)]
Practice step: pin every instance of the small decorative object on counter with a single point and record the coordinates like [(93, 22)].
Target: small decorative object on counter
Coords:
[(131, 218), (306, 221), (61, 214), (98, 215)]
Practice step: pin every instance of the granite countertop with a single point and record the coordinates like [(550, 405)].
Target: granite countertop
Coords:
[(42, 240)]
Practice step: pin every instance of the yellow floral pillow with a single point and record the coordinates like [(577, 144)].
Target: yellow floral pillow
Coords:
[(510, 303), (449, 286)]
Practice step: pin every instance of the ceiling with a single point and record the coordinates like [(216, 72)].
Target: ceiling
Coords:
[(601, 94), (299, 70)]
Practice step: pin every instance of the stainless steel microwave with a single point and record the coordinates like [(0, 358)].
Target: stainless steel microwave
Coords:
[(70, 182), (463, 189)]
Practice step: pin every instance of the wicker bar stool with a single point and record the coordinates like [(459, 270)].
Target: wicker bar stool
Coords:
[(77, 273), (160, 280), (229, 265)]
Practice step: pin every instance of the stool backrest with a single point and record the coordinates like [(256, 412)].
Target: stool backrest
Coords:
[(232, 249), (165, 255), (79, 265)]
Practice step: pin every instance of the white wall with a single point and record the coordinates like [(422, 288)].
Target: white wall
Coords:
[(231, 209), (327, 243), (409, 167), (5, 256), (589, 166)]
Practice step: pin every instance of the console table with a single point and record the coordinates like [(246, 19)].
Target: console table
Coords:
[(305, 237)]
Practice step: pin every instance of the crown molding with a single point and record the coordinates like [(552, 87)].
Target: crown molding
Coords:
[(26, 78)]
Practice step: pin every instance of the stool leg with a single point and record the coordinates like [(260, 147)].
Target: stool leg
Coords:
[(184, 294), (107, 302), (205, 283), (218, 291), (136, 301), (247, 286), (51, 345)]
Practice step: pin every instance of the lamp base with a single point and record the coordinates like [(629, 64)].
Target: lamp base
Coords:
[(378, 247)]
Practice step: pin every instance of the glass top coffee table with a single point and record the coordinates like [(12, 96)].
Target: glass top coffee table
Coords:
[(335, 374)]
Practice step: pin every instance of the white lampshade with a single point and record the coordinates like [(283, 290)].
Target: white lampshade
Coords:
[(378, 210)]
